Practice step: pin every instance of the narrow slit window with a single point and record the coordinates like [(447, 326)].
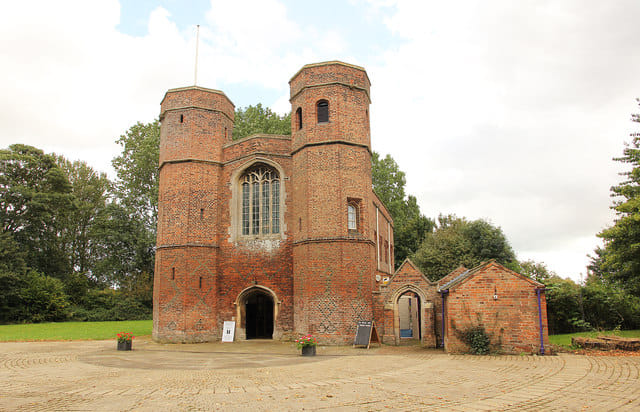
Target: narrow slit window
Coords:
[(299, 118), (322, 107), (173, 273), (181, 118), (200, 283)]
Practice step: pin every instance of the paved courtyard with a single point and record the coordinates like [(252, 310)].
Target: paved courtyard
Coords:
[(261, 375)]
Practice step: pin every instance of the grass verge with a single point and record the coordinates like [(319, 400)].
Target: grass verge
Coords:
[(565, 339), (73, 330)]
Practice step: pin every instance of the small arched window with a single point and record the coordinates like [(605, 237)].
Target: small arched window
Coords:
[(352, 217), (299, 118), (322, 107), (260, 186)]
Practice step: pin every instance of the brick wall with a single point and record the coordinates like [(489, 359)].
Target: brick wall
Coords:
[(320, 274), (333, 267), (511, 320), (408, 278)]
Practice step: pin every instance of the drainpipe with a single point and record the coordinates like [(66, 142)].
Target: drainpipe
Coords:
[(377, 240), (443, 293), (540, 321)]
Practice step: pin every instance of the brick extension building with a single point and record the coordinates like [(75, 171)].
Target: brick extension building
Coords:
[(282, 234)]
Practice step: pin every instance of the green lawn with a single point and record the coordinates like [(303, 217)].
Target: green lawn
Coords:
[(565, 340), (73, 330)]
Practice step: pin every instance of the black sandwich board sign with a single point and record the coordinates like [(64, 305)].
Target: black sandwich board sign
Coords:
[(366, 333)]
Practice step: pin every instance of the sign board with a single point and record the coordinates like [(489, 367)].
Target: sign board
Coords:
[(228, 331), (366, 333)]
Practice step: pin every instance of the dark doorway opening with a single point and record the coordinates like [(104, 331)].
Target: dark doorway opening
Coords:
[(409, 311), (259, 316)]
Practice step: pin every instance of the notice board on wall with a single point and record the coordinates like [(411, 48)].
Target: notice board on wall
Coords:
[(366, 333)]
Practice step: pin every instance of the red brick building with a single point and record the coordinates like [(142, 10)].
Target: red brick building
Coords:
[(281, 234), (510, 307)]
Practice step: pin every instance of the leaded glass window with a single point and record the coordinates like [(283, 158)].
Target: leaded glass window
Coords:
[(260, 201), (352, 217)]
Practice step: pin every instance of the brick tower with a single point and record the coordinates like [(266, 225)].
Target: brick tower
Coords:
[(333, 251), (196, 123)]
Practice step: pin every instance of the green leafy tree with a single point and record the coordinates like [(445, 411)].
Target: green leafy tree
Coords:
[(607, 306), (125, 249), (44, 298), (619, 260), (457, 241), (537, 271), (90, 191), (35, 198), (12, 304), (136, 186), (564, 312), (259, 119), (410, 226), (12, 256)]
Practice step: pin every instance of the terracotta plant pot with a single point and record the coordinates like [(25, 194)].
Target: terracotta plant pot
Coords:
[(126, 345), (309, 351)]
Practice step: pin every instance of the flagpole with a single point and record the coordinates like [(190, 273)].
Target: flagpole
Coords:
[(195, 74)]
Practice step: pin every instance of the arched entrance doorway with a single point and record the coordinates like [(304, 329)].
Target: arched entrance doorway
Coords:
[(409, 316), (257, 313)]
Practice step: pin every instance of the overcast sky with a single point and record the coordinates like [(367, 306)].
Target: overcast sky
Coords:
[(508, 110)]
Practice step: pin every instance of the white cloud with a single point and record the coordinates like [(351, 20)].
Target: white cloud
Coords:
[(72, 83), (504, 110), (512, 112)]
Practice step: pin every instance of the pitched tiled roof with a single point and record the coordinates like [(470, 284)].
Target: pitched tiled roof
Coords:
[(467, 274), (454, 273)]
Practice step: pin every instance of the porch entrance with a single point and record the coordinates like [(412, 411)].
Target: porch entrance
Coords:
[(409, 313), (259, 315)]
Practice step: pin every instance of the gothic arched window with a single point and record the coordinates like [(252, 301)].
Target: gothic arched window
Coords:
[(260, 188)]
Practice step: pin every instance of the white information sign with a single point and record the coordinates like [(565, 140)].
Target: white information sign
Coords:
[(228, 331)]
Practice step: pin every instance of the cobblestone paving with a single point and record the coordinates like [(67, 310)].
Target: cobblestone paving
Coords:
[(93, 376)]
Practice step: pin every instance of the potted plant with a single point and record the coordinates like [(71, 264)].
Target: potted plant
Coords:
[(124, 340), (308, 345)]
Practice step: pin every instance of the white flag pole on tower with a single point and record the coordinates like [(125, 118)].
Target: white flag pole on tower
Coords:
[(195, 74)]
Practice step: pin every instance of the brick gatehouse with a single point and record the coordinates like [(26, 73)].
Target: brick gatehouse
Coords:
[(282, 234)]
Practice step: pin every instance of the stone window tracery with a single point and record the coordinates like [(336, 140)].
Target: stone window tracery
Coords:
[(260, 201)]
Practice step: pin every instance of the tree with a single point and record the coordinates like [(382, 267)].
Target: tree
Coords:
[(90, 190), (35, 198), (457, 241), (537, 271), (258, 119), (410, 226), (564, 314), (619, 260), (607, 306), (137, 170)]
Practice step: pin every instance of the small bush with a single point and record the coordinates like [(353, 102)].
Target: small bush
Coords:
[(477, 340)]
